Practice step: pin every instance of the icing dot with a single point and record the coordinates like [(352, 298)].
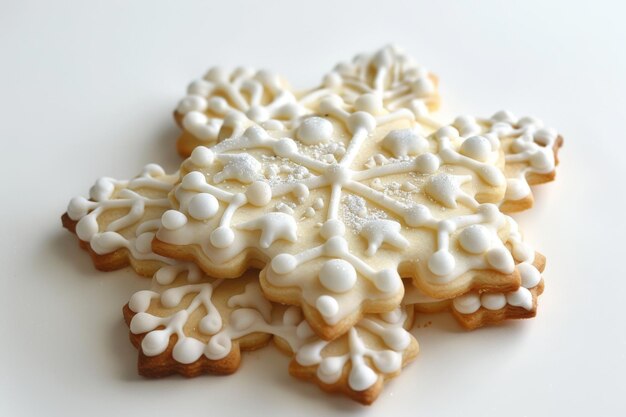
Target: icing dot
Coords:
[(292, 316), (337, 275), (285, 147), (403, 142), (77, 208), (218, 105), (284, 263), (388, 280), (327, 306), (216, 74), (476, 147), (530, 275), (202, 156), (493, 301), (520, 298), (203, 206), (388, 361), (301, 192), (474, 239), (331, 228), (173, 219), (315, 130), (441, 263), (259, 193), (242, 318), (427, 163), (467, 303), (423, 87), (187, 350), (222, 237), (102, 190), (193, 181), (491, 175), (490, 212), (361, 377), (361, 120), (329, 370), (501, 259), (370, 103), (540, 160), (143, 243), (155, 342), (417, 215), (258, 114), (337, 174), (447, 132), (336, 246)]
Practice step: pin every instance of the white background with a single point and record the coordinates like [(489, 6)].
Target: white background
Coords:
[(87, 90)]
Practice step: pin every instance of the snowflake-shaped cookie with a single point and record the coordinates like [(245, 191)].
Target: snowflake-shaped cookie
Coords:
[(340, 206), (117, 224)]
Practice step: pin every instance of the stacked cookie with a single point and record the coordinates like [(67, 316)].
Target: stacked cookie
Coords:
[(322, 220)]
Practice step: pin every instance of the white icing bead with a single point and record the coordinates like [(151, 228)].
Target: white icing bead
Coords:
[(191, 103), (520, 298), (259, 193), (361, 120), (143, 243), (370, 103), (388, 361), (467, 303), (173, 219), (417, 215), (447, 132), (301, 192), (501, 260), (284, 263), (476, 147), (107, 242), (210, 324), (404, 142), (285, 147), (292, 316), (337, 174), (315, 130), (427, 163), (222, 237), (388, 280), (77, 208), (203, 206), (202, 156), (336, 246), (194, 181), (143, 322), (329, 370), (331, 228), (187, 350), (102, 190), (155, 342), (327, 306), (530, 275), (441, 263), (218, 347), (490, 212), (475, 239), (338, 275), (361, 377), (516, 189), (493, 301), (423, 87)]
